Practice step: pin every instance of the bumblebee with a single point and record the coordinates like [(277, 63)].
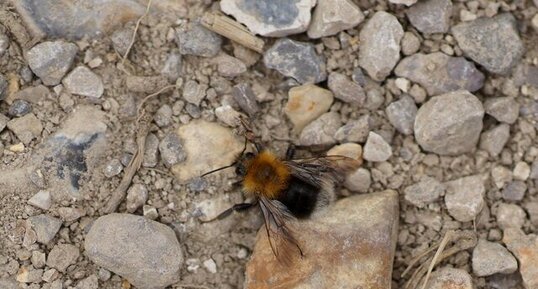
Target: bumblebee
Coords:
[(286, 190)]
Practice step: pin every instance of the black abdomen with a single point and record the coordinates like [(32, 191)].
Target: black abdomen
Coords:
[(300, 198)]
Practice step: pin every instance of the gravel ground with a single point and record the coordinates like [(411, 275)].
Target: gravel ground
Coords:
[(437, 98)]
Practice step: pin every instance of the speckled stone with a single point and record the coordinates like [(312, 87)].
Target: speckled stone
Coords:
[(431, 16), (333, 16), (51, 60)]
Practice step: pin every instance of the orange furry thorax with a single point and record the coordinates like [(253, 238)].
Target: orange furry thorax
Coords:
[(266, 175)]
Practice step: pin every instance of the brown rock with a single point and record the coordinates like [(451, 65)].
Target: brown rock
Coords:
[(351, 245)]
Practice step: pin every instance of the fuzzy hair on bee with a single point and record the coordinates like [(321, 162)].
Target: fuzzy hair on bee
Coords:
[(286, 190)]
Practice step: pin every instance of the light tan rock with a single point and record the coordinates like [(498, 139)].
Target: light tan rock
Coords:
[(306, 103), (525, 248), (351, 245)]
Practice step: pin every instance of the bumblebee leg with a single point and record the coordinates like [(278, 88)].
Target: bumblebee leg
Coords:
[(290, 152), (237, 208)]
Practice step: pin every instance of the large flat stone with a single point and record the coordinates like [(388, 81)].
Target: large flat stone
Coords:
[(351, 245)]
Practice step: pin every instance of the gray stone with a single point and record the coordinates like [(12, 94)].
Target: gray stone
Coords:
[(354, 130), (491, 258), (295, 59), (503, 109), (333, 16), (83, 81), (4, 45), (410, 43), (321, 131), (403, 2), (194, 39), (532, 210), (113, 168), (346, 90), (245, 98), (228, 115), (45, 227), (193, 92), (380, 45), (144, 252), (534, 170), (151, 154), (121, 39), (69, 214), (522, 171), (19, 108), (172, 67), (514, 191), (464, 197), (50, 60), (137, 195), (229, 66), (427, 191), (358, 181), (439, 73), (38, 259), (3, 87), (510, 216), (501, 176), (41, 199), (90, 282), (163, 116), (402, 113), (494, 42), (376, 148), (69, 19), (306, 103), (493, 140), (449, 124), (171, 150), (431, 16), (273, 18), (27, 274), (26, 128), (150, 212), (447, 277), (62, 256)]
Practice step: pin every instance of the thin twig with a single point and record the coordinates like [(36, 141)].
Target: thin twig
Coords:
[(139, 108), (444, 242), (133, 38)]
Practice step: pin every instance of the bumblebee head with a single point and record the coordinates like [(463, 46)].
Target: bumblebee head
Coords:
[(242, 163)]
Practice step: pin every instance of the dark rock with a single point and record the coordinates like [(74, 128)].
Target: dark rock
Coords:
[(194, 39), (51, 60)]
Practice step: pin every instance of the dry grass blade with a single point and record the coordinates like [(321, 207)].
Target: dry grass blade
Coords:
[(232, 30), (133, 38), (462, 241), (139, 108)]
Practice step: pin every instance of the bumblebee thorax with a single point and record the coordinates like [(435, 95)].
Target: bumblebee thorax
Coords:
[(266, 175)]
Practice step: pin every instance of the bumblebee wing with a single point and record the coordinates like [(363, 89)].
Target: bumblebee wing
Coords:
[(322, 170), (277, 220)]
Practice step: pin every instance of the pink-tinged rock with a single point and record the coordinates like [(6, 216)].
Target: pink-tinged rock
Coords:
[(351, 245), (525, 248)]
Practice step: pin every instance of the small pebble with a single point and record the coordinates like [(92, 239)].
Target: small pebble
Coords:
[(69, 214), (210, 266), (504, 109), (172, 67), (346, 90), (163, 116), (358, 181), (522, 171), (376, 148), (83, 81), (229, 66), (151, 153), (410, 43), (501, 176), (41, 199), (228, 115), (137, 195), (3, 87), (321, 131), (492, 258), (150, 212), (510, 216), (306, 103), (38, 259), (171, 150), (62, 256), (464, 197), (514, 191), (427, 191), (245, 98), (45, 227), (333, 16), (447, 277), (431, 16), (193, 92), (121, 39), (19, 108), (354, 130), (494, 140), (113, 168), (194, 39), (51, 60), (402, 113)]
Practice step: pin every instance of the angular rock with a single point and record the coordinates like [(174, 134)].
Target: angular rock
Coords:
[(522, 171), (121, 39), (354, 130), (501, 175), (503, 109), (19, 108), (41, 199), (3, 87), (510, 216), (137, 195), (306, 103), (144, 252), (193, 92), (208, 146), (525, 248), (404, 2), (439, 73), (449, 124), (51, 60), (69, 19), (380, 45), (151, 153), (491, 258), (402, 113), (194, 39), (464, 197), (113, 168), (376, 148), (346, 90), (69, 214), (534, 170), (91, 282), (493, 140), (163, 116), (271, 18), (245, 98), (493, 42), (3, 121), (62, 256), (450, 278), (427, 191), (297, 60), (362, 227), (228, 115), (26, 128), (514, 191), (321, 131), (350, 150), (45, 227), (431, 16), (83, 81), (171, 150), (172, 67), (29, 275), (331, 17)]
